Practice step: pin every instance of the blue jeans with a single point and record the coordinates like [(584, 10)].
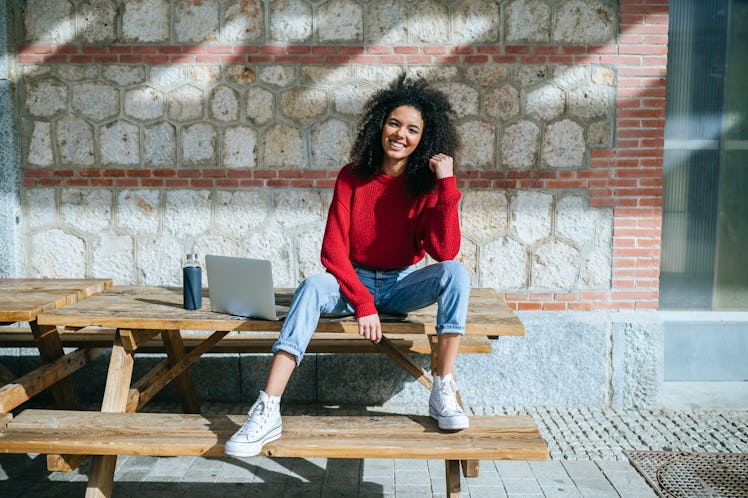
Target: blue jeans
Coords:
[(394, 291)]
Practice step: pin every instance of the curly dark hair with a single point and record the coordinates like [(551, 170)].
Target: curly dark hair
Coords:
[(439, 132)]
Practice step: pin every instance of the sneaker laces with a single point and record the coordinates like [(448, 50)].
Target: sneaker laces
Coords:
[(257, 417), (447, 391)]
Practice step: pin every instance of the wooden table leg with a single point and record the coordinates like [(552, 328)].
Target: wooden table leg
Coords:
[(50, 348), (452, 471), (406, 363), (101, 476), (183, 382)]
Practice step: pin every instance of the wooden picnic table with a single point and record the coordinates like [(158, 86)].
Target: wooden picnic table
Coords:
[(22, 300), (140, 313)]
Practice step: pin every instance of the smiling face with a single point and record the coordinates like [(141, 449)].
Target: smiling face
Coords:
[(401, 134)]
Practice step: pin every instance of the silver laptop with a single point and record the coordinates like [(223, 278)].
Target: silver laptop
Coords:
[(241, 286)]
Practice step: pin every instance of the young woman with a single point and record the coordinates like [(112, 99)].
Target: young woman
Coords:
[(393, 204)]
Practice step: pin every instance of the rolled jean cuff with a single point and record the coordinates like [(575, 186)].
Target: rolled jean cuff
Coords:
[(288, 348), (447, 329)]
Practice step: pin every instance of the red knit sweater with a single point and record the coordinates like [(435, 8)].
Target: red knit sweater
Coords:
[(375, 224)]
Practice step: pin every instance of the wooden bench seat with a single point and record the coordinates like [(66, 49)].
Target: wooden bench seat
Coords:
[(245, 342), (375, 436)]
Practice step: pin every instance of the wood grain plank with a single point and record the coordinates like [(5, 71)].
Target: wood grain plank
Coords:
[(24, 388), (161, 309), (21, 300), (101, 475), (245, 342), (50, 349), (183, 381), (46, 431)]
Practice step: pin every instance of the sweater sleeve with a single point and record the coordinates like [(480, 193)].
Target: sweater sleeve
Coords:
[(439, 227), (335, 254)]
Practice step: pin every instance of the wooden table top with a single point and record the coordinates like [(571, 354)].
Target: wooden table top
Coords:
[(160, 308), (22, 299)]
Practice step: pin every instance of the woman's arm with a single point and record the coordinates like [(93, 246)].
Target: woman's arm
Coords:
[(439, 227), (335, 253)]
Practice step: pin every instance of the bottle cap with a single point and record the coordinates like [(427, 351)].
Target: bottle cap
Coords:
[(191, 256)]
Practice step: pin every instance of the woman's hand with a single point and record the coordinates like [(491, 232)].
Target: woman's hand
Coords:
[(442, 166), (370, 327)]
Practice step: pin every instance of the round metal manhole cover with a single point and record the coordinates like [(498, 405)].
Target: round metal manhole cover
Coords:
[(704, 476)]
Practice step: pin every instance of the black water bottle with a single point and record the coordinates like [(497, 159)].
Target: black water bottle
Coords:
[(192, 283)]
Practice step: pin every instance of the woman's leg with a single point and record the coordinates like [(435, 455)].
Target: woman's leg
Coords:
[(280, 373), (317, 294), (448, 284), (447, 349)]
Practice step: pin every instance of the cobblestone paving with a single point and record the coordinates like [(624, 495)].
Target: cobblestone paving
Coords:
[(586, 447)]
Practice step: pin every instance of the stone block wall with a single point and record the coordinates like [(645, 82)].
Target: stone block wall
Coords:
[(153, 128), (147, 129)]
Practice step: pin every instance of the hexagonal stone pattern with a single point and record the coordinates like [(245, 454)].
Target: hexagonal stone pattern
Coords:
[(40, 146), (330, 144), (564, 145), (97, 20), (120, 143), (144, 103), (186, 103), (527, 21), (381, 25), (57, 254), (75, 141), (243, 21), (304, 104), (113, 256), (464, 98), (241, 213), (555, 266), (429, 22), (519, 145), (40, 208), (145, 20), (479, 144), (160, 145), (138, 211), (340, 20), (484, 214), (503, 264), (259, 107), (187, 212), (290, 20), (224, 104), (46, 98), (284, 147), (124, 75), (532, 216), (546, 102), (590, 102), (287, 115), (512, 239), (70, 72), (86, 210), (198, 144), (49, 21), (476, 21), (95, 100), (503, 103), (240, 147), (585, 21), (196, 21)]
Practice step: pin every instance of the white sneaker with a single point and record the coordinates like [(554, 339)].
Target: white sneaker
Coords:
[(443, 406), (262, 426)]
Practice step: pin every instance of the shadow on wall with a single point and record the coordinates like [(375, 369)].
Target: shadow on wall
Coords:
[(361, 379)]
